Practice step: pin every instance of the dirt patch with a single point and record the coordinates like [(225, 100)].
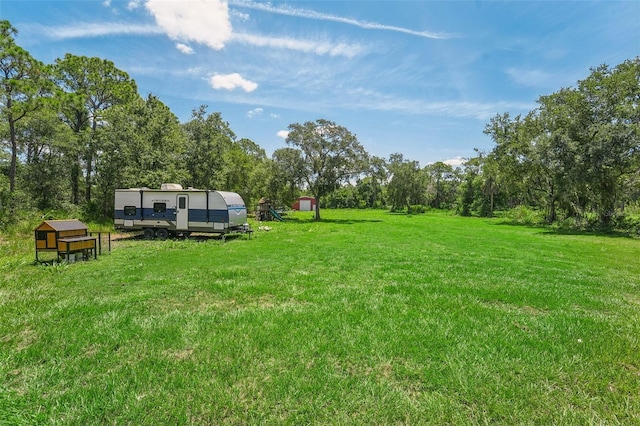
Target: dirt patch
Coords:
[(631, 298), (123, 236), (178, 354), (531, 310)]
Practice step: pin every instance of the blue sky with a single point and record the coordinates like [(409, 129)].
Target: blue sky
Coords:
[(417, 77)]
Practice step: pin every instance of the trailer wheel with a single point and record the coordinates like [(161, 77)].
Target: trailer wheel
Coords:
[(149, 233), (162, 234)]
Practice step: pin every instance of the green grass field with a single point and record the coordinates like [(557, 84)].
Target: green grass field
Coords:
[(365, 318)]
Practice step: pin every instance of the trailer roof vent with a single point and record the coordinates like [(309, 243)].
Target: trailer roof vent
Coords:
[(171, 187)]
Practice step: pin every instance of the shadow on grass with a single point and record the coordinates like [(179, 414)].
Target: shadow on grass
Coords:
[(555, 230), (194, 236), (311, 218), (299, 220), (597, 233)]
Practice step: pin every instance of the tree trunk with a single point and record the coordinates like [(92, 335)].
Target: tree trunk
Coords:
[(14, 152), (492, 202), (317, 217), (87, 178), (75, 176), (607, 207), (552, 212)]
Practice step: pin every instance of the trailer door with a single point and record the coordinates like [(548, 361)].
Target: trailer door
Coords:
[(182, 213)]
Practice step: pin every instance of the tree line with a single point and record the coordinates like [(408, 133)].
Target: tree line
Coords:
[(73, 131)]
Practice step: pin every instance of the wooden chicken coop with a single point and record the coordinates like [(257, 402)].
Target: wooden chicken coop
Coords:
[(69, 239)]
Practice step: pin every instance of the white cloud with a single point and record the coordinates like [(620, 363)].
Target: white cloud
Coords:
[(187, 50), (306, 46), (254, 112), (259, 112), (311, 14), (203, 21), (283, 134), (244, 17), (133, 4), (455, 162), (231, 82)]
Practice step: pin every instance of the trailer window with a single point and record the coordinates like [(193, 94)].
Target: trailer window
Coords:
[(130, 210), (182, 202), (159, 207)]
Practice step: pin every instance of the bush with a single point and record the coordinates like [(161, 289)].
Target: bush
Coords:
[(525, 215), (416, 209), (14, 207), (628, 224)]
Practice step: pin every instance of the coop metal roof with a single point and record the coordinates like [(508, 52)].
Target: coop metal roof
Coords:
[(64, 225)]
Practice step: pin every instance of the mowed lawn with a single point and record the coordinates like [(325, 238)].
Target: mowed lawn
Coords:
[(365, 318)]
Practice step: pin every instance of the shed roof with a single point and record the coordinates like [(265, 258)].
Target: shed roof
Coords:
[(63, 225)]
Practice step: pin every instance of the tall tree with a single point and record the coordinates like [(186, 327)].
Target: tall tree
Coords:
[(556, 163), (441, 185), (577, 151), (23, 84), (209, 138), (45, 140), (370, 188), (244, 171), (470, 189), (331, 155), (612, 134), (286, 176), (90, 87), (407, 185), (143, 146), (510, 156)]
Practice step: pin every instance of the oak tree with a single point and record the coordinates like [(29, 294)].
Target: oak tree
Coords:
[(330, 154)]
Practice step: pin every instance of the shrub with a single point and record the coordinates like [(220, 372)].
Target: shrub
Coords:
[(416, 209), (525, 215), (628, 224)]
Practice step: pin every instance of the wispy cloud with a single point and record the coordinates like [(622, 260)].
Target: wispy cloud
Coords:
[(542, 79), (376, 102), (96, 30), (372, 100), (531, 77), (311, 14), (306, 46), (283, 134), (133, 4), (206, 22), (242, 17), (473, 110)]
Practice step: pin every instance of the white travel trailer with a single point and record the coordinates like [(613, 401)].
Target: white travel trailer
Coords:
[(174, 210)]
